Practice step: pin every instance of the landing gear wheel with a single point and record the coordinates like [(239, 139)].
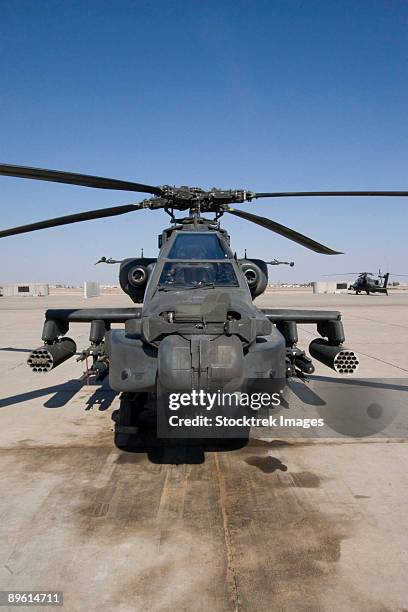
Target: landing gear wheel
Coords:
[(127, 417)]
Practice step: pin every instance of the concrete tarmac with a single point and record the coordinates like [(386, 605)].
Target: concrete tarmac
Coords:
[(310, 524)]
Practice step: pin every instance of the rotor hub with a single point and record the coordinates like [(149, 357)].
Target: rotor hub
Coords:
[(197, 199)]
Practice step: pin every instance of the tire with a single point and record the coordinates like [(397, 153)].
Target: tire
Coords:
[(128, 409), (126, 418)]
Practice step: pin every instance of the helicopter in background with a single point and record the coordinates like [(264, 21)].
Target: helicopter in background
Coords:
[(365, 281)]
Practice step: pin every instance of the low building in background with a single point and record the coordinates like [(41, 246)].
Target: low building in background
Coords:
[(329, 287), (24, 290)]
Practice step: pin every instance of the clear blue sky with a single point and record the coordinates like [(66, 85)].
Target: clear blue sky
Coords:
[(264, 94)]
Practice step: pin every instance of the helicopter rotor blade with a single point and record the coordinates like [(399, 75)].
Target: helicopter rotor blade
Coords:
[(346, 273), (297, 194), (284, 231), (72, 178), (68, 219)]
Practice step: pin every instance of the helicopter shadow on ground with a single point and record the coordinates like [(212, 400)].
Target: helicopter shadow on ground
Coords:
[(102, 397), (309, 396), (356, 424), (12, 349), (373, 383), (63, 394), (166, 451), (304, 393), (359, 408)]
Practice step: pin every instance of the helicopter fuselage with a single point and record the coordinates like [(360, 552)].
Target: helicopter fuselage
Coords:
[(193, 326), (365, 283), (198, 326), (198, 322)]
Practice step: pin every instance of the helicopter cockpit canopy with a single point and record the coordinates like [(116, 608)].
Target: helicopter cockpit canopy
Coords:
[(194, 261), (197, 274), (197, 246)]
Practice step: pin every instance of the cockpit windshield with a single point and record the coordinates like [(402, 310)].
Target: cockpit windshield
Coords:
[(203, 274), (197, 246)]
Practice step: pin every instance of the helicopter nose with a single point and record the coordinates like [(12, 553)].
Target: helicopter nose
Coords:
[(200, 362)]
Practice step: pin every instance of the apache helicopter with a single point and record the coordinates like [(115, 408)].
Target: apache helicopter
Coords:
[(366, 282), (198, 326)]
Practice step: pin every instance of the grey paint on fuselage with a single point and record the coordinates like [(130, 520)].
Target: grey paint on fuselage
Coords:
[(156, 300)]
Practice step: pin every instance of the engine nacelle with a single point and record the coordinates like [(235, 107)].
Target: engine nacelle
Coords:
[(134, 275), (256, 274)]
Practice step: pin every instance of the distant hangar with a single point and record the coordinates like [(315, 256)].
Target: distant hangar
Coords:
[(24, 290)]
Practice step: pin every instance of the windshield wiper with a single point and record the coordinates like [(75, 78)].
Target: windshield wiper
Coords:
[(185, 288), (202, 286)]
